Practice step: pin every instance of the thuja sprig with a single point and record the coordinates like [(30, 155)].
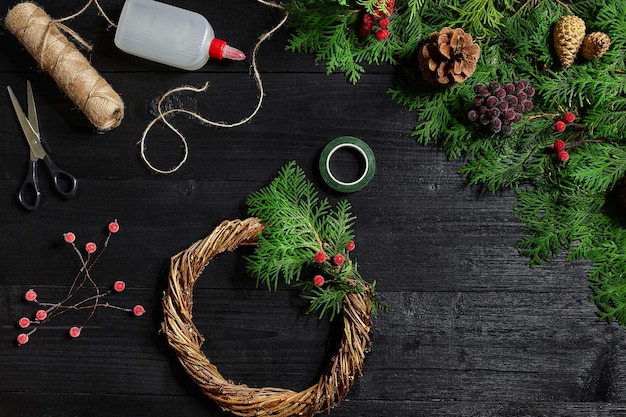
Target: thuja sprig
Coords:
[(305, 241), (72, 302)]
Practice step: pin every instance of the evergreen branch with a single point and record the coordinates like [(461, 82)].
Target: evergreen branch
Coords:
[(479, 17), (299, 227), (598, 167)]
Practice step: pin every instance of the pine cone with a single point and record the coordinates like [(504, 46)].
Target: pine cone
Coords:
[(595, 45), (569, 33), (448, 57)]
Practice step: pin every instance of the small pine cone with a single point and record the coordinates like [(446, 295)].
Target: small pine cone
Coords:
[(448, 57), (595, 45), (569, 33)]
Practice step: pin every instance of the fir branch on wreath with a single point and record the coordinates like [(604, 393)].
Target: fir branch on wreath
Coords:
[(306, 242)]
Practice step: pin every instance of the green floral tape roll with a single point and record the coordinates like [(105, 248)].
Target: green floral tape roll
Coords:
[(362, 149)]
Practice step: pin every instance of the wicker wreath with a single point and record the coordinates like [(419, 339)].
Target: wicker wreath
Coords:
[(182, 335)]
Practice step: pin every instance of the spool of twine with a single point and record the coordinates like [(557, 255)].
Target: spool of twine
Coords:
[(57, 56)]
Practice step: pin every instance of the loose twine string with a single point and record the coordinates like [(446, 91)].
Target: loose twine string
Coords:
[(163, 115), (108, 123)]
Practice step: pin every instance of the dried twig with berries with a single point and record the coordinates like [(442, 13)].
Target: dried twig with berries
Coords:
[(74, 300), (299, 239)]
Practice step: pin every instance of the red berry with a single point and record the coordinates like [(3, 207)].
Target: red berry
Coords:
[(563, 156), (41, 315), (382, 34), (22, 339), (368, 20), (30, 295), (568, 117), (320, 257), (350, 246), (74, 331), (559, 126), (138, 310), (338, 259), (384, 23), (114, 227), (90, 247), (559, 146), (24, 322), (69, 237), (364, 31), (118, 286), (318, 280)]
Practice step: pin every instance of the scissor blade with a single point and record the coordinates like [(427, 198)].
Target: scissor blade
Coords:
[(32, 110), (32, 137)]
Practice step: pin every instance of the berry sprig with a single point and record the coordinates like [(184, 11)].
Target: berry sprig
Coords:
[(497, 106), (332, 266), (47, 311), (377, 23), (566, 120), (561, 148)]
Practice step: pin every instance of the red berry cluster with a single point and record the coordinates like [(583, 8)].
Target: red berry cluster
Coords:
[(559, 146), (48, 311), (499, 106), (560, 149), (561, 124), (377, 23), (337, 261)]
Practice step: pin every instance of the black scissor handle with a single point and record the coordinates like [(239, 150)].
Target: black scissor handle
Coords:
[(29, 195), (64, 182)]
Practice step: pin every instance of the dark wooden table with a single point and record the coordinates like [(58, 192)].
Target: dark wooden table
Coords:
[(471, 329)]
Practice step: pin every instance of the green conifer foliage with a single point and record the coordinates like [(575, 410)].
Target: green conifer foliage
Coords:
[(299, 227), (568, 204)]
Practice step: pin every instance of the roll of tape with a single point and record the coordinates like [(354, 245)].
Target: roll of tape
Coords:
[(362, 149)]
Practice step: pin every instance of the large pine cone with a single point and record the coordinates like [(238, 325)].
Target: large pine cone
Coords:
[(448, 57), (595, 45), (569, 33)]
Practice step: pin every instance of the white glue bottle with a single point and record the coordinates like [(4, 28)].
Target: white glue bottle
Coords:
[(170, 35)]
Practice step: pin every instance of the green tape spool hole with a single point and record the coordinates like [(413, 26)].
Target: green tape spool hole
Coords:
[(347, 142)]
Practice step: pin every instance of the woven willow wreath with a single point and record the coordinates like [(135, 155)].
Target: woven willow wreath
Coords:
[(182, 334)]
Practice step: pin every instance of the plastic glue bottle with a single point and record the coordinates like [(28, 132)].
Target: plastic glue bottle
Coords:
[(170, 35)]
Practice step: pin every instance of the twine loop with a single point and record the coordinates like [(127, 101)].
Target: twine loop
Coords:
[(164, 114)]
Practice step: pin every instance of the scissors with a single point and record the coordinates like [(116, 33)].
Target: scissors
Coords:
[(64, 183)]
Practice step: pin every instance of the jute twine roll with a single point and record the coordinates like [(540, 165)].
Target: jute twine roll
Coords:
[(183, 336), (57, 56)]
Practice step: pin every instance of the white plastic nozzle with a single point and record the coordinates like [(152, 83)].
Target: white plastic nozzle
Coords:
[(219, 49)]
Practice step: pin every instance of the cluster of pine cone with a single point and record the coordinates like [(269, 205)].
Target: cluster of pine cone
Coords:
[(570, 39)]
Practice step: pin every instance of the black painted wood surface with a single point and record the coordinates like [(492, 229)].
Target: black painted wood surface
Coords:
[(471, 329)]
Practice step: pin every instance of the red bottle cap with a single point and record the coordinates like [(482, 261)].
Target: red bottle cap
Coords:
[(216, 49)]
